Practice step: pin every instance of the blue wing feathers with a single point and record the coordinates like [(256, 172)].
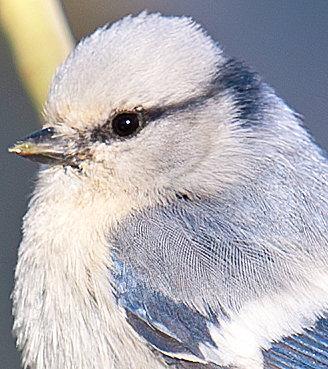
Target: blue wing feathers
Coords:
[(307, 350), (169, 326), (180, 267)]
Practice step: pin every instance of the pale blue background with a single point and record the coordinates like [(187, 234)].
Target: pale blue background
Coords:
[(286, 41)]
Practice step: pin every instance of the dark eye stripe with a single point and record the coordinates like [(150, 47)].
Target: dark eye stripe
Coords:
[(233, 77)]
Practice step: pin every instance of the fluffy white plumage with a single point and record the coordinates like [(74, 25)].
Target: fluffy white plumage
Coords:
[(196, 238)]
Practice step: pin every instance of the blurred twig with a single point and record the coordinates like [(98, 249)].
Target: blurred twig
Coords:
[(40, 38)]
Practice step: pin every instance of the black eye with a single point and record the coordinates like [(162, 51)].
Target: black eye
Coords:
[(125, 124)]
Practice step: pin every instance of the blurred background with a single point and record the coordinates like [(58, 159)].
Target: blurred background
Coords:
[(286, 41)]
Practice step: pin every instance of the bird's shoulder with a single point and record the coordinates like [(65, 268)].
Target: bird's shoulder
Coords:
[(175, 276)]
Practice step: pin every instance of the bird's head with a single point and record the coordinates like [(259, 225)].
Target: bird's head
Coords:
[(147, 104)]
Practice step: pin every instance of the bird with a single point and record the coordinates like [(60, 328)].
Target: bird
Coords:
[(179, 216)]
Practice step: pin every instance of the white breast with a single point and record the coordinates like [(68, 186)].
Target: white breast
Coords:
[(65, 312)]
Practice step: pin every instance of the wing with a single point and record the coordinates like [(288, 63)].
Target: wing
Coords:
[(305, 351), (154, 284), (181, 270)]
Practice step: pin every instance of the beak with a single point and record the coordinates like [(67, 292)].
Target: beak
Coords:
[(50, 147)]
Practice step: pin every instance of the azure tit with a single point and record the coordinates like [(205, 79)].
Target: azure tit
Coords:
[(179, 218)]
